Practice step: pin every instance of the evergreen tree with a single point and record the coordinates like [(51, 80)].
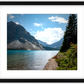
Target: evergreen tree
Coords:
[(71, 33)]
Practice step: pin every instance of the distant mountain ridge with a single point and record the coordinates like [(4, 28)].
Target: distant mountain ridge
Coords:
[(57, 44), (43, 43), (19, 38)]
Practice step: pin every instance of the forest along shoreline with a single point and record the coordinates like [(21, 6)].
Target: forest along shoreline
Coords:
[(52, 64), (64, 60)]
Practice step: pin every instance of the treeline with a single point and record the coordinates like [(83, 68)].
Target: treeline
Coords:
[(70, 33), (50, 48), (68, 61)]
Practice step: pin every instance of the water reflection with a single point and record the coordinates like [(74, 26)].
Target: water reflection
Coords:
[(28, 60)]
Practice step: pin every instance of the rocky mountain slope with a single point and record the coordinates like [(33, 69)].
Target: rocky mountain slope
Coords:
[(19, 38)]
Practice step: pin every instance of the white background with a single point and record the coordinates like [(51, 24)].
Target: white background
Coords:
[(50, 9)]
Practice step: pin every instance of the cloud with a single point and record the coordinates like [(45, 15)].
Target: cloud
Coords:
[(38, 24), (17, 23), (58, 19), (51, 18), (50, 35), (10, 16)]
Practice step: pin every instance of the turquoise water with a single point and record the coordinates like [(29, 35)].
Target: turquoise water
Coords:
[(28, 60)]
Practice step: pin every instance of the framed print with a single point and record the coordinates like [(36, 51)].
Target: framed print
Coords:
[(41, 41)]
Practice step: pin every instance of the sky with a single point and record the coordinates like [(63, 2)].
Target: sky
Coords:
[(48, 28)]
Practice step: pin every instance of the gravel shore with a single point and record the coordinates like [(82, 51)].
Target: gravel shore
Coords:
[(51, 65)]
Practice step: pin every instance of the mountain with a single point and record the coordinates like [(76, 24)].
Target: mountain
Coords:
[(19, 38), (55, 45), (43, 43)]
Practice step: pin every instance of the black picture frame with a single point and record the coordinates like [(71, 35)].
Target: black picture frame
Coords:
[(42, 80)]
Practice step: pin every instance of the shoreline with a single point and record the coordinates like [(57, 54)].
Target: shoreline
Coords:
[(52, 64)]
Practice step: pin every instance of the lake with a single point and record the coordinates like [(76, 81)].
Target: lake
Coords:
[(28, 60)]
